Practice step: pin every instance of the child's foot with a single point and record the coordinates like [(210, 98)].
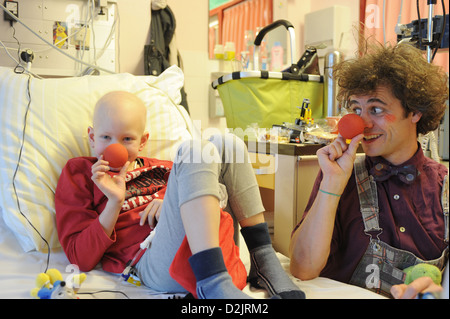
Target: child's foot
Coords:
[(266, 271), (213, 280)]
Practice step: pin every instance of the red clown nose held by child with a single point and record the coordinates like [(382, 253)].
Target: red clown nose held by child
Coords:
[(116, 154)]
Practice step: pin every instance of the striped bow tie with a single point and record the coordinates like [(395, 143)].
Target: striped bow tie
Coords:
[(382, 172)]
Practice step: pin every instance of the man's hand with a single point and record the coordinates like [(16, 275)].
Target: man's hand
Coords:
[(338, 156), (151, 212), (336, 163), (420, 285)]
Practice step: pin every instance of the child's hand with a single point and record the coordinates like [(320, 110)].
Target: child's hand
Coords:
[(112, 186), (151, 212)]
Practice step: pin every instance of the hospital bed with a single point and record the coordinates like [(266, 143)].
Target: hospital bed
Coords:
[(43, 124)]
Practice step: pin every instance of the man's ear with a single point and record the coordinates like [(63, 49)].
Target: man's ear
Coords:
[(91, 136), (144, 140), (416, 117)]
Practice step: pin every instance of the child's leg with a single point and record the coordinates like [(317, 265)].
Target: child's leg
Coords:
[(245, 204), (266, 271), (201, 219), (198, 193), (191, 208)]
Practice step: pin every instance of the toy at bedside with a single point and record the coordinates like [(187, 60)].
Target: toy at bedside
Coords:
[(50, 285), (423, 270)]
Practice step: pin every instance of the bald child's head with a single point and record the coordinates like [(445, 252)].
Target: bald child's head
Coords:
[(119, 117), (118, 106)]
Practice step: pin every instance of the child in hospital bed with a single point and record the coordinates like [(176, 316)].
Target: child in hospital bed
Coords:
[(103, 217)]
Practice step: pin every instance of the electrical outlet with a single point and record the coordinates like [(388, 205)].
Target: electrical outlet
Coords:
[(81, 35), (13, 7), (79, 38)]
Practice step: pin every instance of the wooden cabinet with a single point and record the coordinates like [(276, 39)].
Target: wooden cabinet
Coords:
[(285, 174)]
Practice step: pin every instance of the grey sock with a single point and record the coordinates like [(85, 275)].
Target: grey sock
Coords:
[(266, 271), (213, 280)]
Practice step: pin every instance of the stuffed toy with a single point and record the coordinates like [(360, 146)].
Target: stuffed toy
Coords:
[(423, 270), (50, 285)]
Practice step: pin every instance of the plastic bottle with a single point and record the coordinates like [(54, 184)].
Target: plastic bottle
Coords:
[(218, 52), (276, 55), (230, 51), (263, 56), (248, 42)]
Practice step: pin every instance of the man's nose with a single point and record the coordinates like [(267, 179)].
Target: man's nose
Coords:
[(368, 123)]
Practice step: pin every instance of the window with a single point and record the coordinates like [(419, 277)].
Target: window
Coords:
[(230, 21)]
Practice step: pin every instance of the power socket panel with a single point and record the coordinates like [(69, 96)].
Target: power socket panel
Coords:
[(79, 38)]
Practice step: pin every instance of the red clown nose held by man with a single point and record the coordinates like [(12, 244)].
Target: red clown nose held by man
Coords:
[(350, 125)]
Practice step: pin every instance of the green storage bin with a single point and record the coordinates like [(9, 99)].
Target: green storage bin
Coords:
[(268, 98)]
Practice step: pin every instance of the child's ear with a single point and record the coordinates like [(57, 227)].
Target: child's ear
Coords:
[(144, 140), (91, 136)]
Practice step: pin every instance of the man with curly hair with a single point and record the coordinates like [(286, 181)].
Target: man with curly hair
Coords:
[(369, 217)]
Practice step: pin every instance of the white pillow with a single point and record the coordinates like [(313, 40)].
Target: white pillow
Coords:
[(56, 130)]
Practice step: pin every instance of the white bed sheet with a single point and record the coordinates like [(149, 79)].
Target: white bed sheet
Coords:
[(18, 271)]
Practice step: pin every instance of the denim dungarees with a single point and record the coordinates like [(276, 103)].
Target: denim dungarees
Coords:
[(381, 265)]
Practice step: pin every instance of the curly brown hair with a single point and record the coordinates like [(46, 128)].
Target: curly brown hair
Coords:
[(419, 85)]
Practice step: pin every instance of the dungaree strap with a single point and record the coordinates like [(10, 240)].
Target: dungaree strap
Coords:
[(368, 197), (444, 201)]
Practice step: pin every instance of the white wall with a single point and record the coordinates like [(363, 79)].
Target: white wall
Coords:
[(134, 34), (192, 40)]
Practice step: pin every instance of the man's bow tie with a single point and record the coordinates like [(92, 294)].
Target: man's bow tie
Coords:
[(382, 172)]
